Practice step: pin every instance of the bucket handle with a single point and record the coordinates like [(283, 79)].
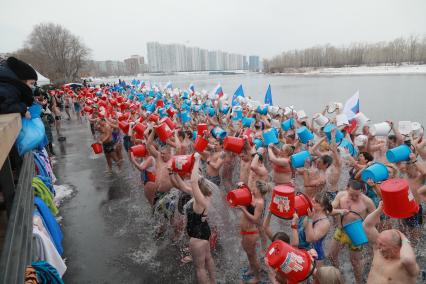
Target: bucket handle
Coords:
[(350, 211)]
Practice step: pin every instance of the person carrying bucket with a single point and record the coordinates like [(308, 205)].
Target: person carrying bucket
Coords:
[(258, 170), (107, 143), (251, 218), (280, 164), (393, 255), (314, 177), (310, 231), (351, 204), (147, 170)]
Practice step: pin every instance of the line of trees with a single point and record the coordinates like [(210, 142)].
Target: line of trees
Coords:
[(55, 52), (411, 50)]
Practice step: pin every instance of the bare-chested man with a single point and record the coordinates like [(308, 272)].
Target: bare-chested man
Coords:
[(245, 163), (280, 162), (314, 178), (415, 172), (350, 204), (107, 143), (394, 260), (214, 160)]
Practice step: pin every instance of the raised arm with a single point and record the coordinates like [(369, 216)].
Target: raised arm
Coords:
[(274, 159), (320, 230), (407, 256), (141, 166), (370, 223), (255, 218), (196, 192), (149, 144)]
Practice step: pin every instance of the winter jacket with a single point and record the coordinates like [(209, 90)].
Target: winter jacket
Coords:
[(15, 96)]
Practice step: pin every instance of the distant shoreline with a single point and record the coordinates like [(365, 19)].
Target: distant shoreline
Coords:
[(358, 70)]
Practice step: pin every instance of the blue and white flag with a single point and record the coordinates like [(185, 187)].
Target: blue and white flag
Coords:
[(238, 93), (169, 85), (268, 96), (192, 88)]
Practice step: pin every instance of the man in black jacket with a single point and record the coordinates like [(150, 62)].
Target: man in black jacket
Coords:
[(17, 80)]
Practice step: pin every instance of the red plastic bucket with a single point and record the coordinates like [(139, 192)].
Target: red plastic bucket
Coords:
[(249, 133), (124, 116), (153, 117), (88, 109), (200, 144), (292, 263), (163, 131), (240, 196), (124, 126), (171, 111), (182, 164), (160, 103), (139, 150), (139, 128), (301, 204), (398, 201), (282, 202), (97, 148), (233, 144), (201, 128), (169, 122)]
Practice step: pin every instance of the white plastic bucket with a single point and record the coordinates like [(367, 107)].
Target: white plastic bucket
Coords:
[(417, 129), (380, 129), (275, 123), (320, 119), (360, 140), (341, 119), (273, 109), (334, 106), (301, 114), (361, 119), (288, 111), (404, 127)]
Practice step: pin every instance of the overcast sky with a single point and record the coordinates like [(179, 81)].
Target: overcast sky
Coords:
[(118, 29)]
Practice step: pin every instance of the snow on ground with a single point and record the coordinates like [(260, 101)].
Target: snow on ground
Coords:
[(364, 70)]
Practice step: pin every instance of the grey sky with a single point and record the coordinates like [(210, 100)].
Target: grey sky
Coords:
[(118, 29)]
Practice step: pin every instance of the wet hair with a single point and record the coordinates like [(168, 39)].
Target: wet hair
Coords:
[(392, 137), (367, 156), (326, 159), (189, 134), (263, 186), (324, 201), (291, 136), (303, 123), (354, 184), (329, 275), (288, 148), (206, 186), (281, 236), (181, 133)]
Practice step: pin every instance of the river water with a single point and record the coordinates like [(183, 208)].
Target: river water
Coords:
[(109, 228), (382, 97)]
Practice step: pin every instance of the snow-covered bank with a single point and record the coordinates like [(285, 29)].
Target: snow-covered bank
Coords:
[(362, 70)]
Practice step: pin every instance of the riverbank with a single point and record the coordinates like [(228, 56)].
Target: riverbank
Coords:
[(359, 70)]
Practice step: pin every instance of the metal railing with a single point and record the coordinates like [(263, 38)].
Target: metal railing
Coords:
[(17, 248)]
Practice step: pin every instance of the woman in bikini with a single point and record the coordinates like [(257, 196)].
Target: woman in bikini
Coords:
[(249, 227), (280, 163), (310, 231), (147, 169)]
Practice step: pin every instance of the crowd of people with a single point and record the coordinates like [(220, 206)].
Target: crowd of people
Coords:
[(158, 130), (124, 116)]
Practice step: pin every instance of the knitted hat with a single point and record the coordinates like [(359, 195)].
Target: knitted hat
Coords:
[(23, 70)]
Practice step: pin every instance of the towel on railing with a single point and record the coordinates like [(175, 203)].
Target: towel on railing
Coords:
[(44, 193), (48, 183), (50, 223), (46, 273)]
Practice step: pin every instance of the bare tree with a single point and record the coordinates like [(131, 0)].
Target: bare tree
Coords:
[(55, 52)]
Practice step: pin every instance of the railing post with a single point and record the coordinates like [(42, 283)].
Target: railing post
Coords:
[(7, 185)]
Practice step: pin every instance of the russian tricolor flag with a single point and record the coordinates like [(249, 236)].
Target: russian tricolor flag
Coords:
[(352, 106), (142, 84), (218, 91)]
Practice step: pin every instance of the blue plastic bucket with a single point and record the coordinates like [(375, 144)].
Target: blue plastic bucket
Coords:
[(304, 134), (345, 144), (248, 121), (377, 172), (211, 111), (184, 116), (237, 114), (287, 124), (225, 109), (257, 143), (327, 130), (185, 95), (356, 232), (194, 135), (196, 108), (218, 133), (162, 112), (262, 110), (270, 137), (298, 160), (398, 154), (186, 107), (149, 107)]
